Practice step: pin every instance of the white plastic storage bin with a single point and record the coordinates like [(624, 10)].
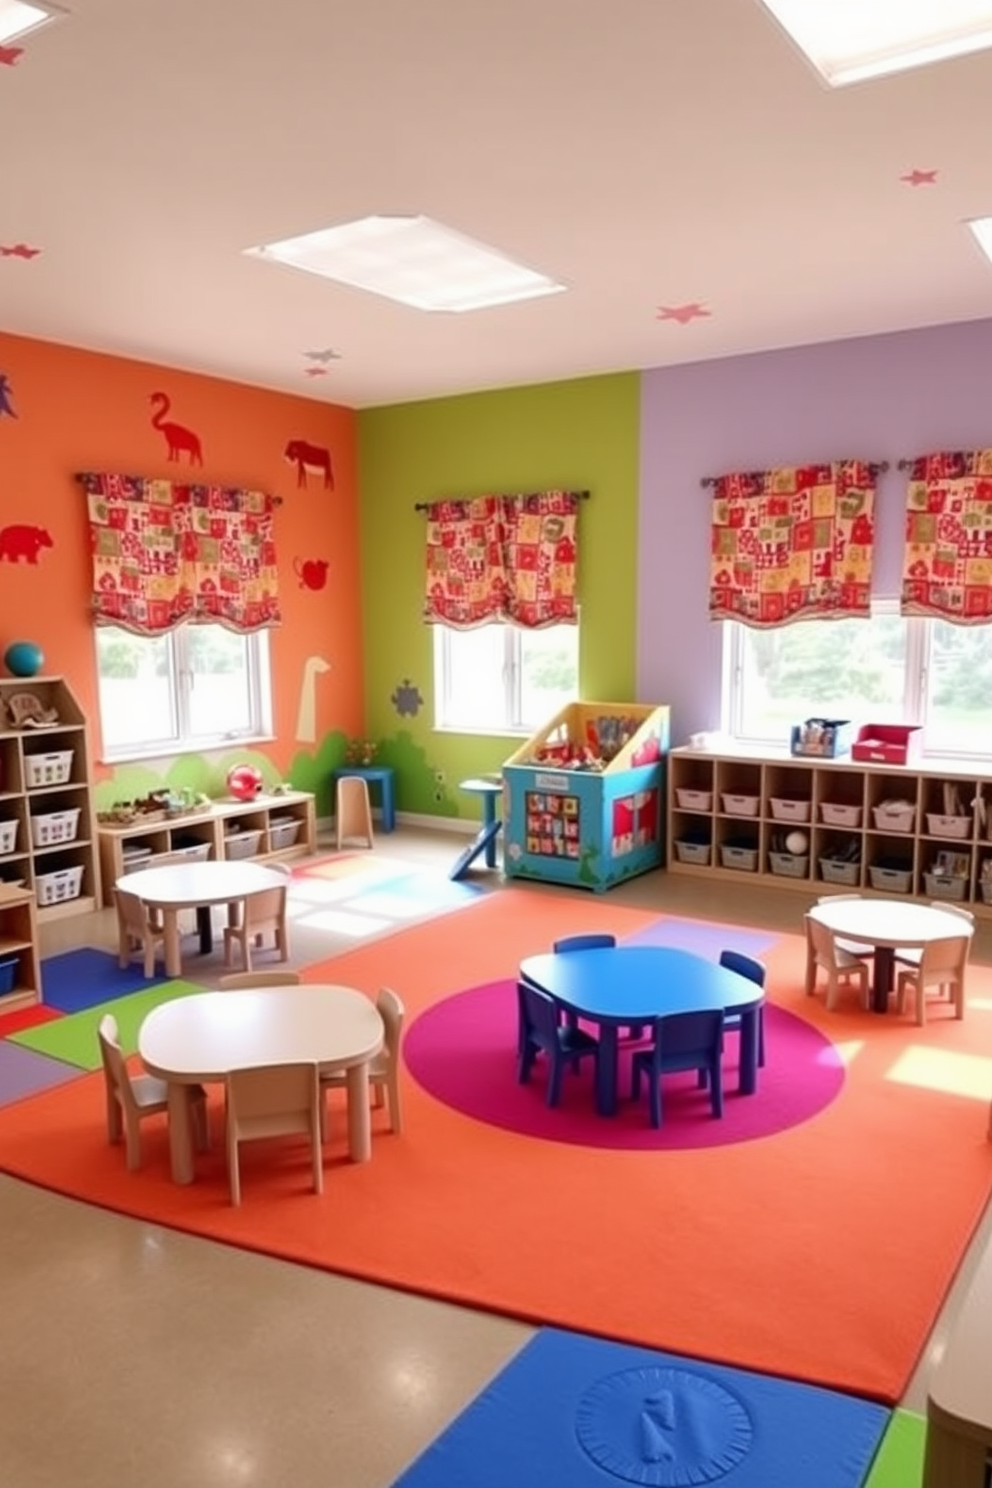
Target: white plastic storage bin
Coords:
[(735, 805), (833, 870), (840, 816), (789, 865), (694, 800), (241, 844), (945, 885), (58, 887), (894, 818), (134, 858), (694, 852), (783, 810), (48, 769), (194, 852), (744, 858), (283, 831), (891, 880), (54, 827), (948, 826), (8, 837)]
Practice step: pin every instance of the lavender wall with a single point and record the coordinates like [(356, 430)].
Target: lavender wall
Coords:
[(874, 398)]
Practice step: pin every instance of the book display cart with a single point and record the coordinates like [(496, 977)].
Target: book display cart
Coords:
[(47, 839), (274, 828), (810, 824)]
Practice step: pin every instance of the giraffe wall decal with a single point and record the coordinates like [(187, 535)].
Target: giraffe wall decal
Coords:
[(306, 718)]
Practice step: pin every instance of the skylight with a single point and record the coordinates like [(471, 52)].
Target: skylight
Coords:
[(849, 41), (17, 18), (414, 260)]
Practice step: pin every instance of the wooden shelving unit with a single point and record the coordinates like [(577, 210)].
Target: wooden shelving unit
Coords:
[(274, 828), (44, 789), (18, 945), (729, 815)]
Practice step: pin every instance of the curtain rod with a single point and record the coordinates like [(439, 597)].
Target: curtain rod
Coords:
[(426, 505), (879, 467)]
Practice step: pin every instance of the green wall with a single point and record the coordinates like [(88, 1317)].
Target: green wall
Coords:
[(579, 435)]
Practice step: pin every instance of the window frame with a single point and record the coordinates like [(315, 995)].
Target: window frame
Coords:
[(180, 680), (512, 724), (916, 681)]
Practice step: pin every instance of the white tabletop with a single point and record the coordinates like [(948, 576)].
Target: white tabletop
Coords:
[(205, 1036), (890, 922), (186, 885)]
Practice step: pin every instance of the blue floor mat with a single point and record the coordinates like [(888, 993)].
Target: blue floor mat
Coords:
[(571, 1411), (82, 979)]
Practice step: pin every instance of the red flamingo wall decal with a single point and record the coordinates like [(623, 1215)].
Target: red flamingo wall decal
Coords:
[(177, 437)]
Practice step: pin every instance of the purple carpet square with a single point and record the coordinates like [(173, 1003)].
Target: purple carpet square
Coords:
[(83, 979), (576, 1412), (702, 938), (23, 1072)]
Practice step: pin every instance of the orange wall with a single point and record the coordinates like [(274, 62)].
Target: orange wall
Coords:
[(78, 410)]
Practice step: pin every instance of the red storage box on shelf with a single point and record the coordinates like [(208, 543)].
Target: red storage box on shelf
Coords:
[(888, 743)]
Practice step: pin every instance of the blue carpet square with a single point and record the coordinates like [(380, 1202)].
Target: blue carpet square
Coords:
[(82, 979), (577, 1412), (703, 939), (424, 892)]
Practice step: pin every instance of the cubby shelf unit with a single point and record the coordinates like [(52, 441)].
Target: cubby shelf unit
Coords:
[(729, 814)]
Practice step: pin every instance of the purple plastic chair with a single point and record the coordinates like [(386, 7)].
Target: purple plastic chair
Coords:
[(683, 1041), (541, 1032)]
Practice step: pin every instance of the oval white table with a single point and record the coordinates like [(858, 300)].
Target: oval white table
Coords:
[(888, 925), (196, 886), (199, 1040)]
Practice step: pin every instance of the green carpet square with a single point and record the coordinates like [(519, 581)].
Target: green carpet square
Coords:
[(73, 1038), (899, 1460)]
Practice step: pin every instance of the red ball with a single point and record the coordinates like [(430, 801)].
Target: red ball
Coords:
[(244, 782)]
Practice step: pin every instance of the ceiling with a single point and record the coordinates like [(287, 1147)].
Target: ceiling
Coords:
[(651, 154)]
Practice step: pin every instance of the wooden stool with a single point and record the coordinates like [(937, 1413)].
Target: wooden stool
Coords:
[(959, 1410), (352, 810)]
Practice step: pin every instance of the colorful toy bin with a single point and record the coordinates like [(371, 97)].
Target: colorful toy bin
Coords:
[(583, 799)]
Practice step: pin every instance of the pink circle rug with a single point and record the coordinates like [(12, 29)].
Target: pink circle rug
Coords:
[(463, 1052)]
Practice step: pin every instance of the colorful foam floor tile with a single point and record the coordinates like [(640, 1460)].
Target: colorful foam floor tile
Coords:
[(899, 1463), (73, 1038), (571, 1411), (702, 938), (83, 978), (24, 1072), (27, 1017)]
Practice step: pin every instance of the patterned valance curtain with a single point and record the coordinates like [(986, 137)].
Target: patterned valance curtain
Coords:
[(165, 554), (947, 563), (502, 558), (793, 544)]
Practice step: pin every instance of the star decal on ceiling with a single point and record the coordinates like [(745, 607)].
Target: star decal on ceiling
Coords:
[(18, 250), (10, 55), (328, 355), (920, 178), (683, 313), (315, 372)]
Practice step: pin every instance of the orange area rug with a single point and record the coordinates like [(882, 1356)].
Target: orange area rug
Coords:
[(822, 1253)]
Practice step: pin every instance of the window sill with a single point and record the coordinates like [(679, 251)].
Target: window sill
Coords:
[(178, 750)]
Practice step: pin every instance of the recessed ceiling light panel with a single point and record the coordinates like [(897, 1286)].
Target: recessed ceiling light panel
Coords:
[(849, 41), (413, 260), (18, 18)]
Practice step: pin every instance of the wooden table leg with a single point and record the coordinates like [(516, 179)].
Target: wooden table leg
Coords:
[(173, 955), (180, 1133), (882, 975), (359, 1119)]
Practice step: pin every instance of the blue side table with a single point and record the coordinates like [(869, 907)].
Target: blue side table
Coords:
[(382, 776), (485, 838)]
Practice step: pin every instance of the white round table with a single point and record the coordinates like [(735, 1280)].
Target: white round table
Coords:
[(196, 886), (200, 1039), (888, 925)]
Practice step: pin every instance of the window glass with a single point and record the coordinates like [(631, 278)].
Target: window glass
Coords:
[(499, 679), (959, 689)]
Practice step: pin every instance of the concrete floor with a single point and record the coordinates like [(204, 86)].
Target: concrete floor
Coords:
[(132, 1353)]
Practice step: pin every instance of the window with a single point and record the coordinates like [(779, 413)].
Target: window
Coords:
[(197, 687), (500, 679), (886, 670)]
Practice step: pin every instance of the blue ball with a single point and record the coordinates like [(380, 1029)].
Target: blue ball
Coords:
[(24, 659)]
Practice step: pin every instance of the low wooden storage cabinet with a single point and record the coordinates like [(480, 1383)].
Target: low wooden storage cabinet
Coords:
[(20, 981), (273, 828), (925, 832)]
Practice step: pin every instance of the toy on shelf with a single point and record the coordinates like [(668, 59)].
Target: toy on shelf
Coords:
[(244, 782)]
